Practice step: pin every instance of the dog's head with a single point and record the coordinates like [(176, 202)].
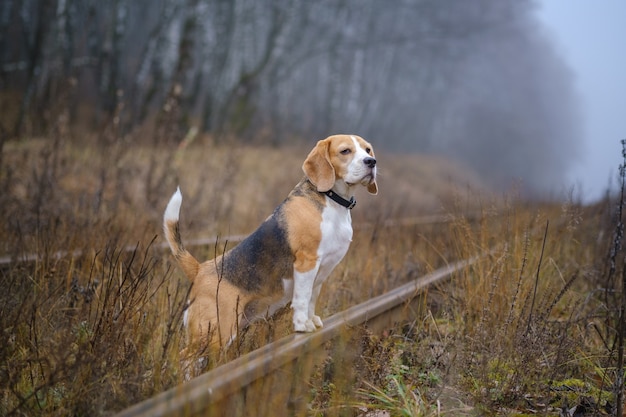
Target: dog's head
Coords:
[(347, 158)]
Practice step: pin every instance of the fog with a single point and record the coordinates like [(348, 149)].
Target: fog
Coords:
[(589, 35), (476, 81)]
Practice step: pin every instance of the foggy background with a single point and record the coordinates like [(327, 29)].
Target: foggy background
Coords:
[(590, 36), (478, 81)]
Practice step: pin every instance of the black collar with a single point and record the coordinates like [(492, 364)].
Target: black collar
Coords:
[(349, 204)]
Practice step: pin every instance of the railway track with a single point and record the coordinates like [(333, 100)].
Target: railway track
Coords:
[(272, 380), (7, 260)]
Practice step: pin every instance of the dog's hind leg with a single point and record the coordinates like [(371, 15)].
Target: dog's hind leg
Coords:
[(286, 298)]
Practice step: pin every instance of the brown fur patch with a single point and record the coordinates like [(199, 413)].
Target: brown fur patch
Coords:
[(318, 167), (216, 308), (187, 262), (304, 216)]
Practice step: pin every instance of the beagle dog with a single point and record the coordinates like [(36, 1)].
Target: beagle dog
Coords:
[(294, 249)]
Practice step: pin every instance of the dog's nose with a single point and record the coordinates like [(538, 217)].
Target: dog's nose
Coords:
[(369, 162)]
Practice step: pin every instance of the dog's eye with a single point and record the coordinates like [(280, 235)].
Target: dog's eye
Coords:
[(345, 151), (368, 150)]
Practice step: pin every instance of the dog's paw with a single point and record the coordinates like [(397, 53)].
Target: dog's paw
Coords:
[(317, 321), (301, 324), (310, 327)]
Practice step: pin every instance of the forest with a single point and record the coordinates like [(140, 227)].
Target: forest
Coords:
[(480, 82)]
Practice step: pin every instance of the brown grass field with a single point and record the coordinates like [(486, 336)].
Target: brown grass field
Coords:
[(532, 329)]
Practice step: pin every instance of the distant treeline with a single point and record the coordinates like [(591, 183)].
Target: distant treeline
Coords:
[(477, 80)]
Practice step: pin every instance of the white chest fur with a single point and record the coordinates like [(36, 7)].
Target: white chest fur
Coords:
[(336, 237)]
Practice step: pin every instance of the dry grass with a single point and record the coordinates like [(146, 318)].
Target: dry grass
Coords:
[(527, 329), (522, 332)]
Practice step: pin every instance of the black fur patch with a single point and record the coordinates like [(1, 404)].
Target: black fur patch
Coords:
[(268, 248), (263, 259)]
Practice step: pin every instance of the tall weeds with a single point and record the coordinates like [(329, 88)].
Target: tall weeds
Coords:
[(83, 334)]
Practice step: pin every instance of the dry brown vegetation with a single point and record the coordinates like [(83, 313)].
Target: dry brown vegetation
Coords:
[(529, 329)]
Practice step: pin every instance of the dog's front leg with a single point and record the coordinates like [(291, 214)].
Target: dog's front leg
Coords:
[(302, 298), (317, 321)]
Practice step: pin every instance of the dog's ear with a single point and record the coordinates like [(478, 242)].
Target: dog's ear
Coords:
[(372, 187), (317, 167)]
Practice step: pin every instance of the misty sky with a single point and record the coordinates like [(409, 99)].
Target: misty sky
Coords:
[(591, 38)]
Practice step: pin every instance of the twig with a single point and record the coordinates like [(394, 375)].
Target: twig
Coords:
[(220, 275), (532, 305), (619, 381), (509, 319)]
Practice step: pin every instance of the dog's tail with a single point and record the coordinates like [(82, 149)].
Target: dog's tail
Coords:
[(187, 262)]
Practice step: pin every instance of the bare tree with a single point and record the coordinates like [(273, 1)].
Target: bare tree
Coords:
[(38, 17), (473, 80)]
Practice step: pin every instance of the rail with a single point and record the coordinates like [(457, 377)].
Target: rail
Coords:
[(203, 241)]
